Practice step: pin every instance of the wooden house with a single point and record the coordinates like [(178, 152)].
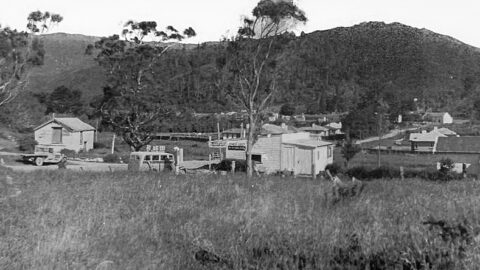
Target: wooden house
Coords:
[(317, 130), (66, 133), (425, 141), (282, 148), (438, 118), (461, 150)]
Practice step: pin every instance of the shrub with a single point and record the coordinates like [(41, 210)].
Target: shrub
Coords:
[(111, 158), (27, 143), (68, 152), (334, 168)]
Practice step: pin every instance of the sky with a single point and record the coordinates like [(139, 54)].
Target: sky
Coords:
[(213, 19)]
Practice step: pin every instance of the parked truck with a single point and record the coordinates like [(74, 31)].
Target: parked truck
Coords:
[(44, 154)]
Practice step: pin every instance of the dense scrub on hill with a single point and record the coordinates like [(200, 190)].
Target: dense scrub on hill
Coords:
[(341, 69)]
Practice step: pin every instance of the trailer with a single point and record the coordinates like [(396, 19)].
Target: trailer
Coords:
[(44, 154)]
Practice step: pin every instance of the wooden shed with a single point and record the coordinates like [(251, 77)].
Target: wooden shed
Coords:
[(283, 149), (66, 133)]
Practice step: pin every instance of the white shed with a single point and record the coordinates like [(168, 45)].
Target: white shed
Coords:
[(285, 150), (66, 133)]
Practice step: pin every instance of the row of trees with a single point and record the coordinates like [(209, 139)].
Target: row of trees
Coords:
[(139, 92)]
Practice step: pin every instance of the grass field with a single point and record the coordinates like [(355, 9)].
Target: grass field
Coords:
[(67, 220)]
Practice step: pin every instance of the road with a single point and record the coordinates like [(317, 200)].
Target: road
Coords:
[(391, 134), (93, 166)]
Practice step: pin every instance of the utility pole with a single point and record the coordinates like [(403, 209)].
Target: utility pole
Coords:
[(379, 132)]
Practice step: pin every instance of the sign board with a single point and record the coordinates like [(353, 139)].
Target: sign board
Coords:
[(236, 150), (155, 148), (217, 144)]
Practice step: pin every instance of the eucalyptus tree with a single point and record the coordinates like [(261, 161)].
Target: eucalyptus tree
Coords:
[(135, 98), (20, 51), (254, 61)]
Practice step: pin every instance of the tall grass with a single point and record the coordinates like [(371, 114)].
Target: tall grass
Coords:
[(67, 220)]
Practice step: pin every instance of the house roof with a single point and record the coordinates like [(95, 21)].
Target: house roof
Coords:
[(446, 131), (311, 143), (72, 124), (468, 144), (233, 130), (425, 137), (435, 114), (277, 130), (314, 128)]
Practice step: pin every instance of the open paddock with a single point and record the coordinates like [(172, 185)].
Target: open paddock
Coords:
[(87, 220)]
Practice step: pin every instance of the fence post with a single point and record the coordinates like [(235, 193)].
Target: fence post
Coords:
[(402, 173), (233, 167), (209, 162)]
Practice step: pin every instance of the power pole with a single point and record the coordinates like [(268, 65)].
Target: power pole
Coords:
[(379, 129)]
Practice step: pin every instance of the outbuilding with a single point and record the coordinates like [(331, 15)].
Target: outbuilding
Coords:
[(284, 149), (438, 117), (66, 133)]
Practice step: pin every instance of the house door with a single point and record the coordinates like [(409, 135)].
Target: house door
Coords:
[(57, 135), (288, 159), (304, 161)]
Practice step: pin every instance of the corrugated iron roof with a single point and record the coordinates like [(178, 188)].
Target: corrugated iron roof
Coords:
[(72, 124), (314, 128), (277, 130), (446, 131), (311, 143), (468, 144), (425, 137)]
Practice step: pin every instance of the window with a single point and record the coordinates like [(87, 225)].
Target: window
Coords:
[(329, 151), (81, 137), (156, 158), (57, 135), (318, 155), (148, 158), (257, 158)]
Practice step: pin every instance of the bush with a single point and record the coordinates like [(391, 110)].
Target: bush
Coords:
[(385, 172), (111, 158), (27, 144), (68, 153), (334, 168)]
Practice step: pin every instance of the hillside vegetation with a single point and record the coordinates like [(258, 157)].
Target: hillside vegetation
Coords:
[(331, 70), (67, 220)]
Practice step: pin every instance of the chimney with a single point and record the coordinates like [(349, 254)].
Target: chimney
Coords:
[(435, 128), (424, 131), (284, 126), (53, 116)]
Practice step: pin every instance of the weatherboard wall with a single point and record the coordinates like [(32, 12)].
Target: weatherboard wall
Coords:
[(69, 140)]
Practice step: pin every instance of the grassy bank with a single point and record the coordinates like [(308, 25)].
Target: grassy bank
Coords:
[(65, 220)]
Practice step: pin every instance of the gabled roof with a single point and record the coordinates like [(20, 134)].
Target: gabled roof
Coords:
[(446, 131), (277, 130), (468, 144), (311, 143), (233, 130), (71, 124), (434, 114), (425, 137), (314, 128)]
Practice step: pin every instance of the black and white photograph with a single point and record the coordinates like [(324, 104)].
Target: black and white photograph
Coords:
[(240, 134)]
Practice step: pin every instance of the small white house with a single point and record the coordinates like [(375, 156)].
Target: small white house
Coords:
[(282, 149), (66, 133), (438, 117)]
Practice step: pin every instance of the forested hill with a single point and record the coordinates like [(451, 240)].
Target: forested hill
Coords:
[(331, 70)]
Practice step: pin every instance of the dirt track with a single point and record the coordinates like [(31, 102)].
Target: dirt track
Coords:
[(93, 166)]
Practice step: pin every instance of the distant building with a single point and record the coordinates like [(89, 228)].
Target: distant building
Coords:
[(438, 117), (446, 132), (425, 141), (459, 145), (66, 133), (233, 133), (284, 148), (317, 130)]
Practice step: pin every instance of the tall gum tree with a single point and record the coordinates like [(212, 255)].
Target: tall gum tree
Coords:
[(135, 97), (253, 62), (20, 51)]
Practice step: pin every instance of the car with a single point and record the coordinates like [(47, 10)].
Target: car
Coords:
[(44, 154)]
